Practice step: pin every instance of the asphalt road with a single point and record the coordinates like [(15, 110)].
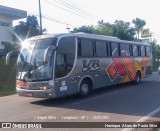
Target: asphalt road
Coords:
[(120, 103)]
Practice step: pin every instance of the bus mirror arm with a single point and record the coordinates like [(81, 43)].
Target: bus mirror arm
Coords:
[(9, 54), (52, 48)]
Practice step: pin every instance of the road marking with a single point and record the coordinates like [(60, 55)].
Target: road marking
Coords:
[(144, 118), (90, 99), (149, 115)]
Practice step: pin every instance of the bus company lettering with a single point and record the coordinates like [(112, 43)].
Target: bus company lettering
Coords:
[(90, 65)]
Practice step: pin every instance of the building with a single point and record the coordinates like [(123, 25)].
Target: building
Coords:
[(7, 15)]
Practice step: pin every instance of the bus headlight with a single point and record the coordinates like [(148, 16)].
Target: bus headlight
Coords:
[(21, 84), (45, 87)]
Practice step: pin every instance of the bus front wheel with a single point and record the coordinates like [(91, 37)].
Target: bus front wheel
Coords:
[(85, 88)]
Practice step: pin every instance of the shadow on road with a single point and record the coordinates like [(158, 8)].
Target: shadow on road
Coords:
[(127, 99)]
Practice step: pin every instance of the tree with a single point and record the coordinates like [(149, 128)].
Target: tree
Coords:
[(104, 28), (123, 30), (119, 29), (86, 29), (8, 47), (139, 24), (27, 29), (156, 54)]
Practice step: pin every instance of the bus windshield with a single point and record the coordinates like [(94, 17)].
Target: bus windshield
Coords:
[(30, 63)]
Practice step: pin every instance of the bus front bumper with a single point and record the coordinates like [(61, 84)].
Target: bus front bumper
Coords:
[(36, 93)]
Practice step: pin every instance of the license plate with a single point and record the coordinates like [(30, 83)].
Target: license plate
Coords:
[(29, 94)]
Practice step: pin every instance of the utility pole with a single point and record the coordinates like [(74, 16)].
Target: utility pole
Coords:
[(40, 17)]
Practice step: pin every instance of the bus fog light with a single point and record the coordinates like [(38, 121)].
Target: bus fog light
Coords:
[(49, 94)]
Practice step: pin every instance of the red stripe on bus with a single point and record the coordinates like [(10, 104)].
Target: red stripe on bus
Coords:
[(112, 71), (119, 66), (144, 62), (130, 68)]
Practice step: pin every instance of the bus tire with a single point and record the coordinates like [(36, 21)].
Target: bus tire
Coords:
[(138, 78), (85, 88)]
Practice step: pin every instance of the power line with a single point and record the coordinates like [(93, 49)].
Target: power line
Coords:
[(73, 5), (55, 20), (76, 9), (69, 10), (69, 6), (72, 12), (52, 19)]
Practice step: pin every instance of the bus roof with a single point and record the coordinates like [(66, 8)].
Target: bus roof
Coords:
[(89, 36)]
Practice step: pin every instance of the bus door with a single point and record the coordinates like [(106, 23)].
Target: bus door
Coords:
[(65, 59)]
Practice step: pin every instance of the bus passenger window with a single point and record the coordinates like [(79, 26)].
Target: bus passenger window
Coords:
[(142, 51), (86, 48), (101, 49), (148, 50), (130, 50), (114, 48), (139, 50), (135, 50), (124, 49), (79, 47)]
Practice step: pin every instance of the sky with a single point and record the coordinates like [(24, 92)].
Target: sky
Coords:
[(75, 13)]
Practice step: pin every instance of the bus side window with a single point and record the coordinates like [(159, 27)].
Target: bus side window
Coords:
[(125, 49), (86, 48), (101, 48), (142, 50), (114, 49), (148, 51), (135, 50), (139, 50), (79, 46), (109, 49), (130, 50)]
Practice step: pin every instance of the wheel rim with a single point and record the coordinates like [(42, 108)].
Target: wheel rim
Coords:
[(84, 89)]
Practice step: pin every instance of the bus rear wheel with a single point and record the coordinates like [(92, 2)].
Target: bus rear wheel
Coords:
[(138, 78), (85, 88)]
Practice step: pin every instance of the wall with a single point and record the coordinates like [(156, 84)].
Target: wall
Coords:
[(5, 31)]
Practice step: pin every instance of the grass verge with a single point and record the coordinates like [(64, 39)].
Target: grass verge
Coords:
[(7, 77), (7, 91)]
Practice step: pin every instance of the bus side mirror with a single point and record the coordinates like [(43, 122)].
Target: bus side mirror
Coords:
[(50, 48), (9, 54)]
